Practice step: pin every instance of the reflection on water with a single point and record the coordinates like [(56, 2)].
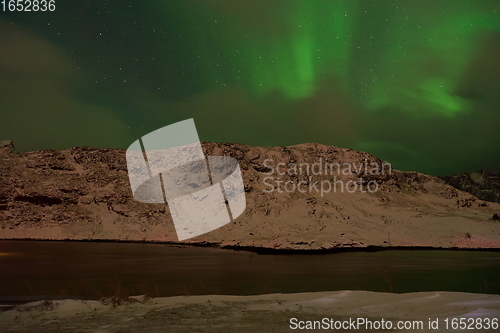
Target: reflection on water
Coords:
[(93, 270)]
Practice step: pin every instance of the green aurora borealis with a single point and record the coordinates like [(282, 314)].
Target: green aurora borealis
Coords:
[(416, 83)]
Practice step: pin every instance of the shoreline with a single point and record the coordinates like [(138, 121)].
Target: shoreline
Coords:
[(256, 313), (264, 250)]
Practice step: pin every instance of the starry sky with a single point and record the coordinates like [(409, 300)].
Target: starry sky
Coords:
[(416, 83)]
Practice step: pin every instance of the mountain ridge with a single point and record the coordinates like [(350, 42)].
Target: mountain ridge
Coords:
[(483, 184), (83, 193)]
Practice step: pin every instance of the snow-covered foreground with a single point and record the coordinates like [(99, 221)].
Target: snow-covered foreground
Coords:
[(262, 313)]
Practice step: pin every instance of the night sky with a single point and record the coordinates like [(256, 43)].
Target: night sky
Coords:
[(416, 83)]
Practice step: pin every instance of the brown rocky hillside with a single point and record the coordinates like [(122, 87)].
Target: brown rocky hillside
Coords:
[(83, 194)]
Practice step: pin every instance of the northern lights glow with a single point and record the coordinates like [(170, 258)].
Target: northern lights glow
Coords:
[(413, 82), (377, 49)]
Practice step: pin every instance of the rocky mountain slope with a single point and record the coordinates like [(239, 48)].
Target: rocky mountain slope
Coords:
[(485, 185), (84, 194)]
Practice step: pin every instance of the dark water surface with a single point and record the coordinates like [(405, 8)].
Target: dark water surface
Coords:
[(93, 270)]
